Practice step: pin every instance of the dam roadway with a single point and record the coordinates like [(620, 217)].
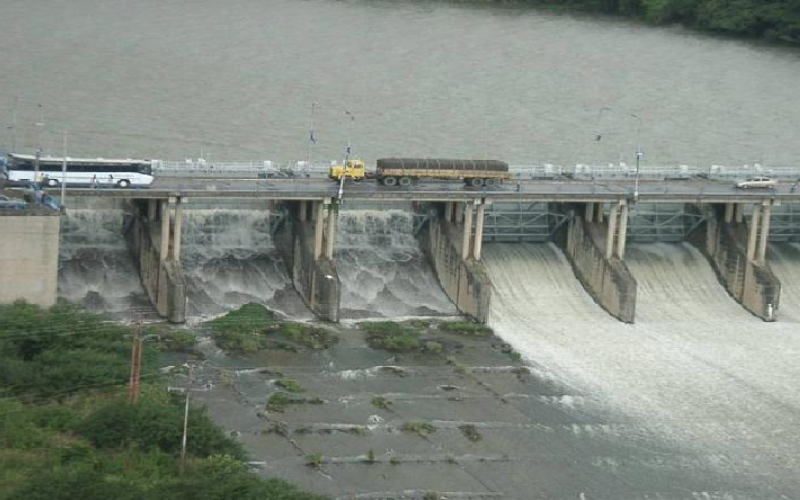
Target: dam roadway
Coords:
[(662, 191)]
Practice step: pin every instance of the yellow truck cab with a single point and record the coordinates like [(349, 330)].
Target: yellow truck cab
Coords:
[(353, 169)]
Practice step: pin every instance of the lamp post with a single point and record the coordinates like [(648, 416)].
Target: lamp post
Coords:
[(639, 154), (64, 172), (39, 127)]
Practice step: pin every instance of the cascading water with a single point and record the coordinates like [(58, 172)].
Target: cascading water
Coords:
[(382, 269), (229, 259), (95, 266)]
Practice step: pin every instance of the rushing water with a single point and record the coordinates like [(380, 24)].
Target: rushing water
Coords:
[(382, 269), (696, 367), (236, 80)]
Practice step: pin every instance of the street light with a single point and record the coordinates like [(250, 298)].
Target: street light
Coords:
[(639, 154), (39, 127)]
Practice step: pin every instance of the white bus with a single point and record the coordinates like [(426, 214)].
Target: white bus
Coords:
[(91, 172)]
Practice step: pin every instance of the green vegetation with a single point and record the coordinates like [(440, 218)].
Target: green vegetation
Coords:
[(309, 336), (391, 336), (466, 328), (68, 431), (771, 19), (170, 338), (314, 460), (381, 402), (253, 327), (394, 461), (470, 432), (434, 347), (241, 330), (421, 429), (289, 385), (370, 456), (278, 402)]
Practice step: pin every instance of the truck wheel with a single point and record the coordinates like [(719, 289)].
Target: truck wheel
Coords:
[(405, 181), (489, 182), (476, 182), (389, 181)]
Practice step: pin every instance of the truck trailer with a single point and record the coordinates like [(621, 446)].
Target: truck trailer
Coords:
[(404, 171)]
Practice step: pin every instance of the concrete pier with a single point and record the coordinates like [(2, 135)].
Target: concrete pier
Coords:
[(596, 251), (737, 253), (155, 245), (454, 255), (312, 267)]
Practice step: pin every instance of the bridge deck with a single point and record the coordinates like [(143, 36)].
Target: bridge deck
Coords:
[(685, 191)]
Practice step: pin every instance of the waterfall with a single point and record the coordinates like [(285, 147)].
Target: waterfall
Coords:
[(382, 269), (95, 267), (229, 259)]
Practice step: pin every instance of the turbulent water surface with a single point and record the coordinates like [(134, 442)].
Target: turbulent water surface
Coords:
[(696, 367)]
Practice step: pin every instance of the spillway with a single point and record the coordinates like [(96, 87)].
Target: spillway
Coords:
[(695, 367), (95, 267), (230, 259), (382, 269)]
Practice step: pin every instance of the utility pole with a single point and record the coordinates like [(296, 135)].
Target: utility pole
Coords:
[(311, 138), (639, 154), (182, 465), (14, 126), (136, 364), (64, 173)]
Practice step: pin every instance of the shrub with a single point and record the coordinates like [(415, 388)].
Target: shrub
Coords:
[(466, 328), (381, 402), (289, 385), (470, 432), (422, 429), (156, 422)]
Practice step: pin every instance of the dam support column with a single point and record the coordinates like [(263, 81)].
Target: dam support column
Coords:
[(313, 269), (454, 249), (737, 251), (156, 245), (596, 251)]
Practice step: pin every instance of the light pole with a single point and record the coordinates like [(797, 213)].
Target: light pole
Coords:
[(64, 173), (311, 139), (639, 154), (39, 127)]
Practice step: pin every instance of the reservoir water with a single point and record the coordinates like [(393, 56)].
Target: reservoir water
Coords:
[(236, 81)]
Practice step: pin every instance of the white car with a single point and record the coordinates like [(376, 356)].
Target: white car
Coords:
[(756, 182)]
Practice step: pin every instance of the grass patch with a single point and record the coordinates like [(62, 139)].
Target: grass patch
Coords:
[(434, 347), (278, 402), (241, 330), (391, 336), (314, 460), (469, 328), (381, 402), (470, 432), (170, 339), (421, 429), (309, 336), (289, 385)]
